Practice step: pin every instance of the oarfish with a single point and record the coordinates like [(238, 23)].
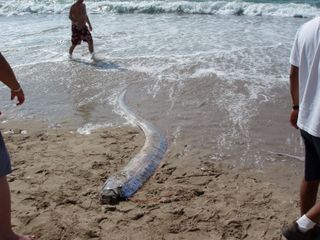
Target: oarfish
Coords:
[(126, 182)]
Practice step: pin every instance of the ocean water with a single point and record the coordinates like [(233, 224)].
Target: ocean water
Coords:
[(202, 71)]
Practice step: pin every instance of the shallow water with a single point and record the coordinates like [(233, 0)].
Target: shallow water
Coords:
[(203, 79)]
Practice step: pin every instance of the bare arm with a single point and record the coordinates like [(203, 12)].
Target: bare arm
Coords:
[(87, 19), (8, 77), (294, 91), (70, 15), (294, 84)]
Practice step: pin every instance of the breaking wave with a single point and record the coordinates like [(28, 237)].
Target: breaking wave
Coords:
[(14, 7)]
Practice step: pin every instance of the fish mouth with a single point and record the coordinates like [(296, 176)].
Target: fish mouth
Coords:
[(111, 196)]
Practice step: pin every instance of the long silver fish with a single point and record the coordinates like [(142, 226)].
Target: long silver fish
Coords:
[(126, 182)]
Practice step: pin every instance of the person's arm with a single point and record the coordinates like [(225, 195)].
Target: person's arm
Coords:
[(8, 77), (294, 91), (87, 19), (70, 15)]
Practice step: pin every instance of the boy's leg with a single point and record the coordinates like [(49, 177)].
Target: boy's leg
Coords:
[(90, 45), (6, 232), (72, 48), (5, 209)]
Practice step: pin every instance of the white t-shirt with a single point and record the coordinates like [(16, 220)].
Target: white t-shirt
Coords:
[(305, 54)]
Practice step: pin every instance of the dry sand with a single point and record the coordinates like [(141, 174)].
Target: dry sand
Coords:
[(58, 175)]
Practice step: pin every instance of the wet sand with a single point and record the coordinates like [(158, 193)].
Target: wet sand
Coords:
[(58, 175)]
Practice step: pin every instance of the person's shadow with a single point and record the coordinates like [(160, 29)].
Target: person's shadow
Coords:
[(100, 63)]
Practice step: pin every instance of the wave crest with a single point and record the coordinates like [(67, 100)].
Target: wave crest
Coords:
[(8, 8)]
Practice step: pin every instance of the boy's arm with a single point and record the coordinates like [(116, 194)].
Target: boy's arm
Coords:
[(70, 15), (8, 77), (87, 19)]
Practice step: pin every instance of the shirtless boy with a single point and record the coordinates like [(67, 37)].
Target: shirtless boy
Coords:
[(80, 31)]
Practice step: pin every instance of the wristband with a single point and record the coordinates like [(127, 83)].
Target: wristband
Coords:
[(295, 107), (18, 90)]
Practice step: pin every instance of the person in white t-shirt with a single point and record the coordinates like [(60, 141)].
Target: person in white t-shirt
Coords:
[(305, 115)]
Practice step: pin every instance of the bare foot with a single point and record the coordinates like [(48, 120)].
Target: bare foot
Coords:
[(25, 237), (18, 237)]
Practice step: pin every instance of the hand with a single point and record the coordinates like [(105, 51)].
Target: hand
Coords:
[(19, 95), (294, 118)]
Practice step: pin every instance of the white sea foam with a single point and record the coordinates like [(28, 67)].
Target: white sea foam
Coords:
[(240, 59), (15, 7), (90, 127)]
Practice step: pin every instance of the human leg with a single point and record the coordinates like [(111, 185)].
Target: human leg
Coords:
[(6, 232), (75, 38), (310, 188), (87, 37), (73, 46), (90, 45), (304, 227), (5, 202), (310, 183), (308, 195), (5, 209), (314, 213)]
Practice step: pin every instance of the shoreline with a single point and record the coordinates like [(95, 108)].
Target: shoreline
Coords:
[(222, 99), (58, 175)]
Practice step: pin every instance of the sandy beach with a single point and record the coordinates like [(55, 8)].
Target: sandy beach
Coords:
[(211, 75), (58, 175)]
